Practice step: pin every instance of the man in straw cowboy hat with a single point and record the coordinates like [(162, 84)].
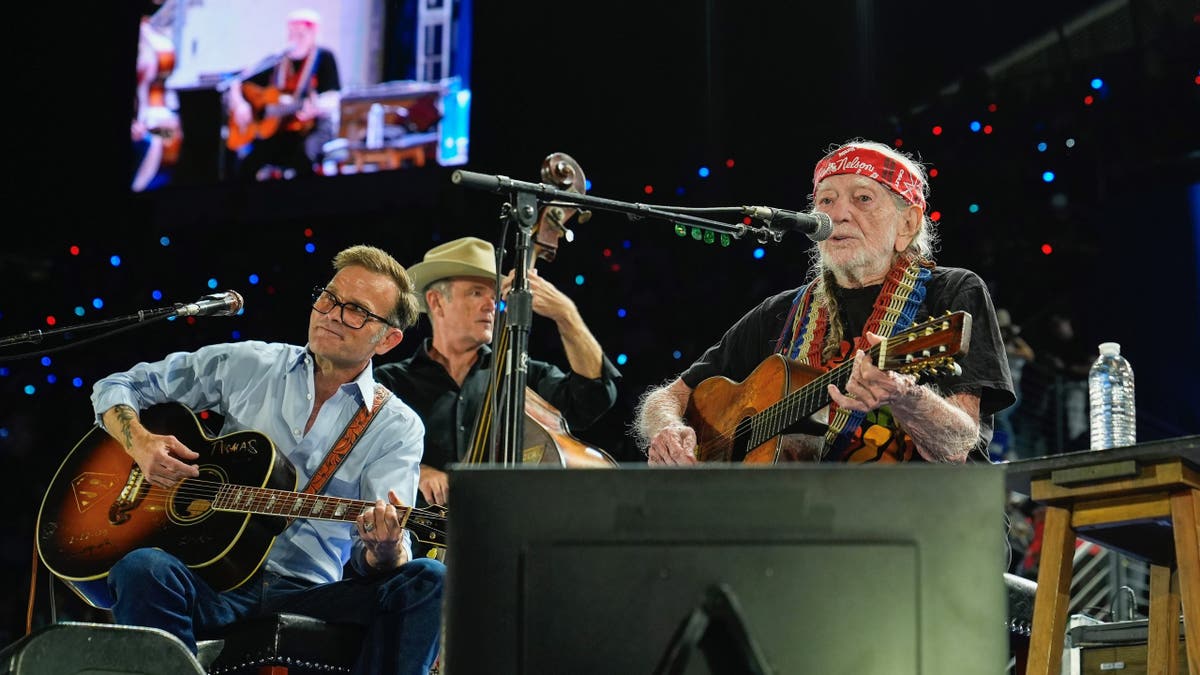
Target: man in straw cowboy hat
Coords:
[(446, 379)]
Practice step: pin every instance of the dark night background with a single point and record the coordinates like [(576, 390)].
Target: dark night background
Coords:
[(640, 95)]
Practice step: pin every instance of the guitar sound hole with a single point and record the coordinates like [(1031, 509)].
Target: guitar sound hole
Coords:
[(190, 501), (741, 441)]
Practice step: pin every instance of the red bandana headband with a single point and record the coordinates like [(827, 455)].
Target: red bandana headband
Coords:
[(875, 165)]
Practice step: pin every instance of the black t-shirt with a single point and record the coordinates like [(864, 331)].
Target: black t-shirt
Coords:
[(449, 411), (949, 289), (325, 71)]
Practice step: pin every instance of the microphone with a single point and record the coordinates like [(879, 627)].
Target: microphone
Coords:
[(477, 181), (213, 304), (815, 224)]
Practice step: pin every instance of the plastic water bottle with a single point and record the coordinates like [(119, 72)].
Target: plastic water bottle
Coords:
[(1110, 393), (375, 127)]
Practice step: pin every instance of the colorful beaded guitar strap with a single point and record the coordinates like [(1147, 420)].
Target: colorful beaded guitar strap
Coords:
[(895, 308)]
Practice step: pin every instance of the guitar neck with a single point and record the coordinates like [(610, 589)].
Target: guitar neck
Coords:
[(808, 399), (811, 396), (268, 502), (282, 109), (926, 348)]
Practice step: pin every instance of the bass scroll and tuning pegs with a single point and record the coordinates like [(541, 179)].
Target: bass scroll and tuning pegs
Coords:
[(563, 172)]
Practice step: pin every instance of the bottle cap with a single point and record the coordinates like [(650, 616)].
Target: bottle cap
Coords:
[(1110, 348)]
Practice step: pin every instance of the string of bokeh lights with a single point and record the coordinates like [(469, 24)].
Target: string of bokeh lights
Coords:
[(35, 380)]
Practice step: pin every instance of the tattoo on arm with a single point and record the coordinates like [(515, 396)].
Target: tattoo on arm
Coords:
[(125, 415)]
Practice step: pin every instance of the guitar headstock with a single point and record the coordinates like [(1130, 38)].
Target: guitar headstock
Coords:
[(563, 172), (428, 525), (927, 349)]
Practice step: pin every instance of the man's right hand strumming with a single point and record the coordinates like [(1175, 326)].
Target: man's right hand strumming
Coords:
[(673, 445)]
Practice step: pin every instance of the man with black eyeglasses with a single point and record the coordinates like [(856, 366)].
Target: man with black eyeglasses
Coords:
[(352, 314), (306, 400)]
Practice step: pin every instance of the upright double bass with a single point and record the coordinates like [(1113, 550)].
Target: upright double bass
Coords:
[(546, 436)]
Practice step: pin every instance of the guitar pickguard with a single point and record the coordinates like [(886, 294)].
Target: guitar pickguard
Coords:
[(90, 488)]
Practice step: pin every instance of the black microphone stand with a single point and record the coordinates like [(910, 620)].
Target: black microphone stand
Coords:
[(518, 316), (634, 210), (36, 336), (519, 304)]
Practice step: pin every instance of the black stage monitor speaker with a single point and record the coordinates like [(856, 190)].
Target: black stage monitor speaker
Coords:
[(889, 570), (78, 648)]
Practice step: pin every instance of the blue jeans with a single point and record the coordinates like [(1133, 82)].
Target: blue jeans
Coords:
[(402, 609)]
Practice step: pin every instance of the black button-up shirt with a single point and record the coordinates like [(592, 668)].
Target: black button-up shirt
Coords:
[(449, 411)]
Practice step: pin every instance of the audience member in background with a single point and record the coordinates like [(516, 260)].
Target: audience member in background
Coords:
[(283, 113), (1063, 362), (447, 378), (1020, 512), (303, 398), (872, 277), (1007, 443)]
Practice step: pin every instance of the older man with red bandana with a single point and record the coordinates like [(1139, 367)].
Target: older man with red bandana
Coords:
[(872, 278), (283, 111)]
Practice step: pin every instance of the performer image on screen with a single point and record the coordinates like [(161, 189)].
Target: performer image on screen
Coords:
[(155, 131), (873, 277), (447, 378), (307, 400), (281, 116)]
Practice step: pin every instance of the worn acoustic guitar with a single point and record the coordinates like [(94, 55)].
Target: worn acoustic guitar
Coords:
[(743, 421), (100, 506), (270, 110)]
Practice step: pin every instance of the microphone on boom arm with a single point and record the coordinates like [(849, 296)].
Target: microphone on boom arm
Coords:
[(814, 224)]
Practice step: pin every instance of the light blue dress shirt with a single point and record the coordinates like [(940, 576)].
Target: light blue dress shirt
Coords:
[(268, 388)]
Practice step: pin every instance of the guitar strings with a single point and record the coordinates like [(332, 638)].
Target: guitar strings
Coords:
[(803, 397), (202, 490), (806, 394)]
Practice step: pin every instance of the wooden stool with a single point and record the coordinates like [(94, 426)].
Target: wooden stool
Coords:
[(1142, 500)]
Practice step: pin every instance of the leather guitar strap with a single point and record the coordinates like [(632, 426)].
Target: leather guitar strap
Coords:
[(354, 430)]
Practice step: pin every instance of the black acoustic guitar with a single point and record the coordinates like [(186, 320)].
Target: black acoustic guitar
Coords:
[(99, 506)]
